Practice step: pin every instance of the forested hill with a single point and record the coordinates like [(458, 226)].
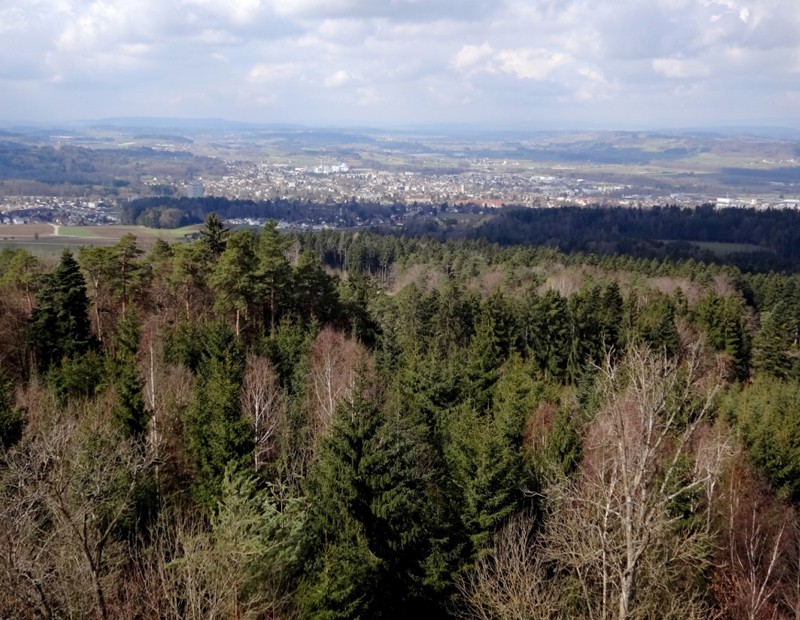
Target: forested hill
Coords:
[(760, 240), (776, 230), (349, 425), (774, 235)]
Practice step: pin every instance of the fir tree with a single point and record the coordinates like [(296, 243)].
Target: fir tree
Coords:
[(214, 235)]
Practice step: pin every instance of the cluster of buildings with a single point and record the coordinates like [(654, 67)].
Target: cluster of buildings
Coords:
[(485, 183), (486, 187), (57, 210)]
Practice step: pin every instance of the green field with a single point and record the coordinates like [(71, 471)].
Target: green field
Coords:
[(726, 249), (722, 249)]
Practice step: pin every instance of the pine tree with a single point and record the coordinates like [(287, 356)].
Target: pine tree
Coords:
[(126, 270), (233, 277), (273, 275), (315, 296)]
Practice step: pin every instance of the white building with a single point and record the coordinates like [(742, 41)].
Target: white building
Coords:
[(195, 189)]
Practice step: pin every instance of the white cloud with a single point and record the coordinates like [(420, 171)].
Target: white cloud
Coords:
[(530, 63), (679, 68), (272, 72), (337, 79), (368, 96), (470, 56)]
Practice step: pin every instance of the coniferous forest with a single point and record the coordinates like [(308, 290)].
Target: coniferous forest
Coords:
[(352, 425)]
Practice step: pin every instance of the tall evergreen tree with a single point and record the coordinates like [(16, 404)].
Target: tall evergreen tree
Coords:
[(214, 235), (233, 277), (130, 413), (772, 342), (274, 274), (217, 433), (366, 525), (60, 323)]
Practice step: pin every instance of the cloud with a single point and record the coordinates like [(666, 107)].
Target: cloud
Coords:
[(431, 59), (337, 79), (472, 56), (679, 68), (530, 63), (272, 72)]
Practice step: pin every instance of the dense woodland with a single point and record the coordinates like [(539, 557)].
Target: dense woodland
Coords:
[(768, 239), (350, 425)]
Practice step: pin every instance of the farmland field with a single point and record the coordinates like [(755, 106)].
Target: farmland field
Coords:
[(50, 240)]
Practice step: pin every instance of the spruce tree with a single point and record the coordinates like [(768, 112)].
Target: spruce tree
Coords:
[(217, 432), (60, 323), (772, 342), (130, 413), (214, 235), (368, 503)]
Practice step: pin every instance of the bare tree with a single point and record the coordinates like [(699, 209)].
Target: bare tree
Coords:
[(754, 579), (264, 403), (333, 362), (615, 527), (64, 494), (511, 581)]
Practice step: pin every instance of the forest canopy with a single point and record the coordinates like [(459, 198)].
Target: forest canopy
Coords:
[(352, 425)]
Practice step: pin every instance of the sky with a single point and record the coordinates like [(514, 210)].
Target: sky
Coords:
[(538, 64)]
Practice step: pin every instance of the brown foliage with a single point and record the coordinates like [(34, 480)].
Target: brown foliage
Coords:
[(333, 363)]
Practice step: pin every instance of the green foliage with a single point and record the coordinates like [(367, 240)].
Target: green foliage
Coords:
[(772, 343), (60, 323), (12, 419), (286, 348), (368, 498), (562, 449), (724, 321), (483, 364), (485, 456), (217, 434), (233, 278), (214, 235), (273, 274), (183, 345), (655, 325), (587, 329), (130, 413), (257, 535), (765, 415), (548, 334), (80, 376), (315, 295)]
